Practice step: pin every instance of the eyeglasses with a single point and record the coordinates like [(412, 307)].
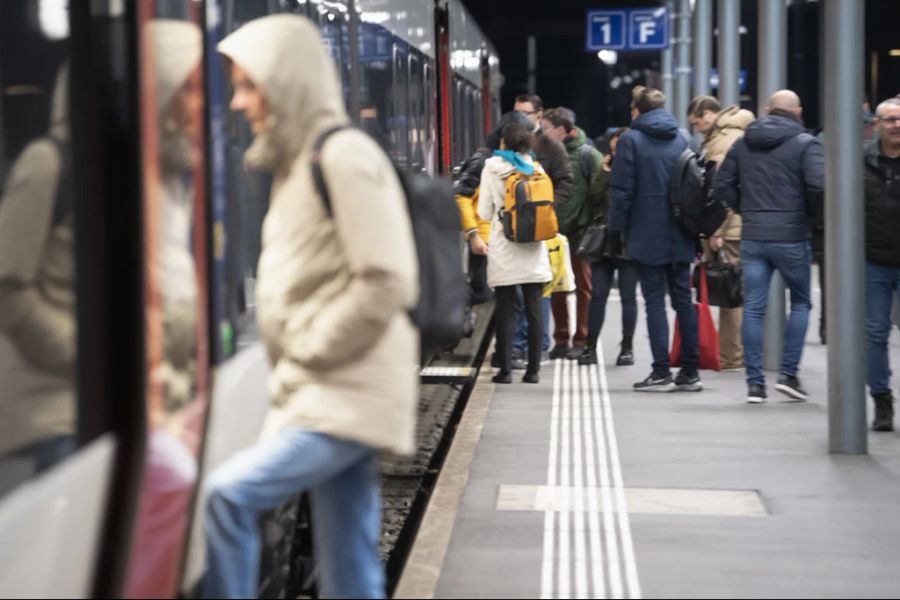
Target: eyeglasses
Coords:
[(890, 120), (529, 112)]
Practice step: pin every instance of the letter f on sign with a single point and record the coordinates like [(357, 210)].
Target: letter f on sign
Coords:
[(647, 28)]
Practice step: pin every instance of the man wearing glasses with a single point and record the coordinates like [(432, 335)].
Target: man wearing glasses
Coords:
[(882, 191)]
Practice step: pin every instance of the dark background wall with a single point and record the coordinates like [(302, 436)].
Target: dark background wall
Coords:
[(568, 75)]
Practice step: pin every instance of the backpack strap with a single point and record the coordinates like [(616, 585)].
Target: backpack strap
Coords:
[(318, 176)]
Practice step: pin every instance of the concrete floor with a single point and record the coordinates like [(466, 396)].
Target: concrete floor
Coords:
[(832, 528)]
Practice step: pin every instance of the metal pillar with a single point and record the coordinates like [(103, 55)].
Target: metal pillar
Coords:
[(845, 236), (532, 64), (703, 28), (729, 51), (668, 58), (772, 60), (683, 71)]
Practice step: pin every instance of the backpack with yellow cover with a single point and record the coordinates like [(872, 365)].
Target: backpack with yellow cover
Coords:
[(528, 214)]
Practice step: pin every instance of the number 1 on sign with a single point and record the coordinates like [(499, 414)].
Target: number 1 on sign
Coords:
[(606, 29)]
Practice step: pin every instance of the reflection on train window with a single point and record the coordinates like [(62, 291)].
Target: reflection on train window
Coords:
[(38, 345), (175, 283), (399, 124)]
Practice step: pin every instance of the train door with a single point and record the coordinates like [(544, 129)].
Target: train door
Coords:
[(71, 330)]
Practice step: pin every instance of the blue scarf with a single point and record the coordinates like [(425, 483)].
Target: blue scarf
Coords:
[(516, 160)]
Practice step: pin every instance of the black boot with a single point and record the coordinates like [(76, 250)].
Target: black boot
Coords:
[(884, 413), (626, 356)]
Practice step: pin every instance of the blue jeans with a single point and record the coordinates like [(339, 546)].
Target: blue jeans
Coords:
[(520, 341), (602, 273), (342, 479), (760, 260), (654, 281), (882, 283)]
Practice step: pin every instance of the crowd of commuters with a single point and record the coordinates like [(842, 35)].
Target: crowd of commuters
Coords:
[(334, 290)]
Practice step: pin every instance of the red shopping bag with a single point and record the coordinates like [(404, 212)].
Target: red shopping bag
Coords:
[(706, 333)]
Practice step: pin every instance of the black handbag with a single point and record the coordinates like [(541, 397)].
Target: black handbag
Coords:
[(725, 283), (593, 243)]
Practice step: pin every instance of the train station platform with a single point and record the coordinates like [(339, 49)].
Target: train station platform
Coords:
[(579, 487)]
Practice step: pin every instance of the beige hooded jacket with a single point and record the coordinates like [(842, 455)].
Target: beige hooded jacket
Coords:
[(332, 293), (727, 129), (37, 292)]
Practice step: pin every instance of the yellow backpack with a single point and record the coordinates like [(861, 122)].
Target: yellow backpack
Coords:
[(528, 214)]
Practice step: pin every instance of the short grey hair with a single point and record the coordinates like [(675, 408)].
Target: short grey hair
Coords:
[(890, 102)]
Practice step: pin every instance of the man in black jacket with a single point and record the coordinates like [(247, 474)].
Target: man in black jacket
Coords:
[(773, 177), (882, 188)]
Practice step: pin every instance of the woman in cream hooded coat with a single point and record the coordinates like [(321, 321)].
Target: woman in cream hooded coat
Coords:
[(332, 296), (512, 264), (37, 297)]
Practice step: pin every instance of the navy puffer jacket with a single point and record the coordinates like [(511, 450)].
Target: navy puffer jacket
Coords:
[(640, 207), (774, 177)]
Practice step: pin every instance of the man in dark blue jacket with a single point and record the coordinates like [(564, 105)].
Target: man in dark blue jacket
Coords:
[(663, 251), (773, 177)]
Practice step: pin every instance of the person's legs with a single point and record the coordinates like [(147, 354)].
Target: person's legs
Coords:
[(731, 351), (653, 287), (534, 311), (255, 480), (545, 311), (583, 286), (879, 300), (757, 275), (478, 279), (560, 304), (793, 261), (505, 324), (628, 280), (520, 338), (679, 281), (346, 519), (602, 276)]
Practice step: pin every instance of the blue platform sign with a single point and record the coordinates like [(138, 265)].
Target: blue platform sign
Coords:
[(606, 29), (648, 29), (628, 29)]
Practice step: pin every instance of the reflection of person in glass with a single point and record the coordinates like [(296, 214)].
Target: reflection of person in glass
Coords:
[(37, 297), (171, 468)]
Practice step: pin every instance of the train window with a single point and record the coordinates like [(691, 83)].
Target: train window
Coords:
[(375, 79), (399, 124), (175, 283), (38, 331), (458, 110), (416, 113), (431, 158)]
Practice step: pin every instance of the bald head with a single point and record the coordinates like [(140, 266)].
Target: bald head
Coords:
[(787, 101)]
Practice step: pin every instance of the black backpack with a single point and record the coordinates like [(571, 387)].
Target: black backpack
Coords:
[(443, 293), (690, 193)]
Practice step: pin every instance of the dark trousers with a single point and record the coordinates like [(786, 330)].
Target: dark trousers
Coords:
[(602, 273), (478, 284), (581, 269), (506, 324), (654, 281)]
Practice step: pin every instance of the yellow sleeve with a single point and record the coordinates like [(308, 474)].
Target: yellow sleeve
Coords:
[(467, 215)]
